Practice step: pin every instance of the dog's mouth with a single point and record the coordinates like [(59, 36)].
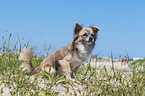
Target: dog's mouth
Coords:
[(85, 42), (88, 42)]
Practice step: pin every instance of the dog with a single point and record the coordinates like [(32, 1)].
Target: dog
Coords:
[(66, 60)]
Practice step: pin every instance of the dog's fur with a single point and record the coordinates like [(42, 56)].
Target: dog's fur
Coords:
[(67, 59)]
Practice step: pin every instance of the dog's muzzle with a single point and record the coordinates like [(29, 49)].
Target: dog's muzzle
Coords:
[(89, 40)]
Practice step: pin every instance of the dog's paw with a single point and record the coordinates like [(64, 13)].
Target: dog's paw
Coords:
[(68, 77)]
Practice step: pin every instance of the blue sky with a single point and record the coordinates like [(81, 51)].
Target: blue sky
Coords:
[(121, 23)]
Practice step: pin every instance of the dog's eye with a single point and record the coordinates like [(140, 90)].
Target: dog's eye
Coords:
[(92, 34), (85, 34)]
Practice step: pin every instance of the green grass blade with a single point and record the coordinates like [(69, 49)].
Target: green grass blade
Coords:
[(129, 60), (19, 43), (112, 61), (9, 42)]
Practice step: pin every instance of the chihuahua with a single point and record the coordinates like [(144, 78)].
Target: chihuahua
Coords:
[(66, 60)]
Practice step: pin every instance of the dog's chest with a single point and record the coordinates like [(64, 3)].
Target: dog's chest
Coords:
[(82, 55)]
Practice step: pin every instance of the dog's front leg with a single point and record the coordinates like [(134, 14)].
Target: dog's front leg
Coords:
[(74, 71), (66, 68)]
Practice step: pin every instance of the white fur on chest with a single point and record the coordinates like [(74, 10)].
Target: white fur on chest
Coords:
[(83, 53)]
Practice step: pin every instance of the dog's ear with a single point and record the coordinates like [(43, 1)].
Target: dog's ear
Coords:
[(95, 30), (77, 29)]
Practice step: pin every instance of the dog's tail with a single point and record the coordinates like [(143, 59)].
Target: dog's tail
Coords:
[(25, 57)]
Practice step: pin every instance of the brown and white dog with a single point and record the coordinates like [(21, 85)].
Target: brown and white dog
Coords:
[(68, 59)]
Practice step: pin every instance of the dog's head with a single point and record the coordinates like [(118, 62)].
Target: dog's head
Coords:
[(85, 35)]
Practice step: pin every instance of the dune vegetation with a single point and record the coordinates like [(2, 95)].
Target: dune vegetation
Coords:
[(89, 80)]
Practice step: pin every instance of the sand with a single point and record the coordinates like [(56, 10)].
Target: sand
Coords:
[(61, 89), (109, 64)]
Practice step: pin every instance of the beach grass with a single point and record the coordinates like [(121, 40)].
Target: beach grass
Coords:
[(89, 80)]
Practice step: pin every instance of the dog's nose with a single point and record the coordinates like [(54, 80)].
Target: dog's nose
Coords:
[(90, 39)]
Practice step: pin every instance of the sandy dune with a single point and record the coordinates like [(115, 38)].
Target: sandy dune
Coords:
[(60, 88), (108, 64)]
